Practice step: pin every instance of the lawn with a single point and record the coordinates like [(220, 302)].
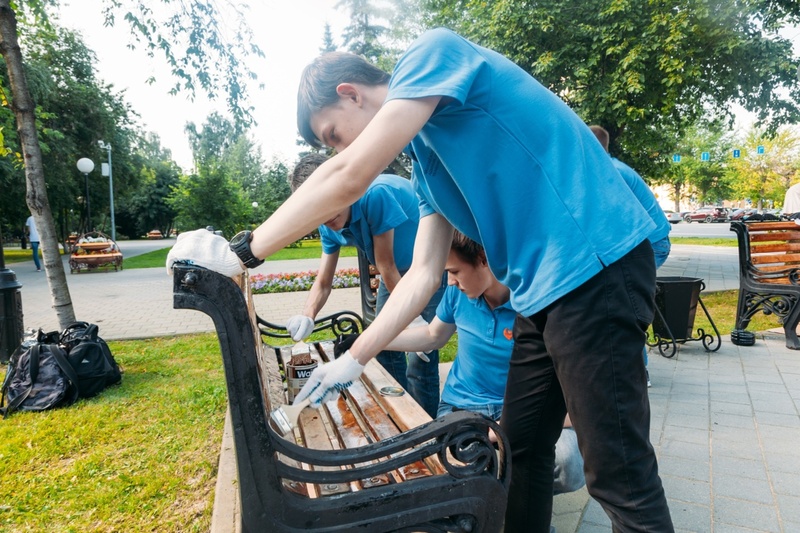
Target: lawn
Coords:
[(310, 249), (142, 456)]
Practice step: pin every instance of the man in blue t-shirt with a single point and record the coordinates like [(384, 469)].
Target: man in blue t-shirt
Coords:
[(502, 159), (476, 306), (382, 224)]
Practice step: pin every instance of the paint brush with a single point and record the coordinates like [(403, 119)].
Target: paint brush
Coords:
[(284, 418)]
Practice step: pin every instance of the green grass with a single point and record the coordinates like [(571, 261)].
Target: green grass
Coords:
[(310, 249), (705, 241), (17, 255), (141, 456)]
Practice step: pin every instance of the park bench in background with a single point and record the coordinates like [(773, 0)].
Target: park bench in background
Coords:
[(769, 277), (365, 461)]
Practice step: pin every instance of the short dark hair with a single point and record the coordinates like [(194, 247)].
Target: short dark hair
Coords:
[(467, 250), (602, 135), (319, 81), (304, 168)]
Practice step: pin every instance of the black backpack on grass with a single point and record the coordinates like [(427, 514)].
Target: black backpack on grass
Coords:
[(39, 376), (53, 370), (90, 357)]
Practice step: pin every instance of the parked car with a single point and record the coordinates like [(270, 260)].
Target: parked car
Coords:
[(672, 216), (738, 214), (707, 214)]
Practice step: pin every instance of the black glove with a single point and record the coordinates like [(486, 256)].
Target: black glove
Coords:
[(343, 343)]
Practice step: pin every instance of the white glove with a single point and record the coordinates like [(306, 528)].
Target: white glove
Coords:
[(300, 327), (417, 323), (203, 248), (328, 380)]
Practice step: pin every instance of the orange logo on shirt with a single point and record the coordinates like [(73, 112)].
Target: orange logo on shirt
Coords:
[(508, 334)]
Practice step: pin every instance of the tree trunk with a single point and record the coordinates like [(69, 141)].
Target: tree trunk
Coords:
[(36, 196)]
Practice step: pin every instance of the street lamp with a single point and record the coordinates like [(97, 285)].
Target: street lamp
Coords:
[(86, 165), (107, 172)]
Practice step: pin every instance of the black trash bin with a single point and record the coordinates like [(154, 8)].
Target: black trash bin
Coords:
[(10, 313), (676, 299)]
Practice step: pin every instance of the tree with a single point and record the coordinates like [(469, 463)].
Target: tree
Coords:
[(706, 181), (23, 108), (628, 65), (149, 208), (764, 177), (208, 59), (363, 35)]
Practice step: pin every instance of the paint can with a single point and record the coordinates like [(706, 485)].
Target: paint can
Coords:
[(296, 377)]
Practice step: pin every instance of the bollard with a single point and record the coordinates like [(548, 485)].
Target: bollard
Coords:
[(11, 326)]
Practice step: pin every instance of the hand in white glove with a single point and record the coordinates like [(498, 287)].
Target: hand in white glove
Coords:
[(416, 323), (203, 248), (328, 380), (300, 327)]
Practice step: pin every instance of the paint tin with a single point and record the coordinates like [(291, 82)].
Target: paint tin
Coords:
[(296, 377), (392, 391)]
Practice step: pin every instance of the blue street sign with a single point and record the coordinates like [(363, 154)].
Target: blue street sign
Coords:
[(737, 153), (676, 158), (705, 156), (760, 149)]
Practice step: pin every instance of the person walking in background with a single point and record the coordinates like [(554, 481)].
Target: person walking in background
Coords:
[(382, 224), (659, 239), (33, 237)]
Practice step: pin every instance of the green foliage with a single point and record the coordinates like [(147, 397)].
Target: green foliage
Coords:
[(765, 177), (206, 44), (705, 182), (209, 198), (73, 110), (146, 207), (644, 70)]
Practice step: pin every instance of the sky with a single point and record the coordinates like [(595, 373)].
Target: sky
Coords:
[(288, 31), (290, 34)]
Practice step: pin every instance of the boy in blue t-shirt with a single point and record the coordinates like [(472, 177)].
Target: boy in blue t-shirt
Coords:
[(505, 161), (382, 224), (476, 306)]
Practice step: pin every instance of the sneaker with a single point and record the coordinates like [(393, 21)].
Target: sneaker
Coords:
[(38, 270), (647, 373)]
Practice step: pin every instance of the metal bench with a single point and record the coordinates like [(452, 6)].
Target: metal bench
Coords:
[(365, 461), (769, 277)]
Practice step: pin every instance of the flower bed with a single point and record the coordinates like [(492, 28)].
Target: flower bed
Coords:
[(300, 281)]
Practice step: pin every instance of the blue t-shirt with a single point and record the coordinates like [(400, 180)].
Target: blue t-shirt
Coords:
[(389, 203), (479, 372), (507, 163), (646, 198)]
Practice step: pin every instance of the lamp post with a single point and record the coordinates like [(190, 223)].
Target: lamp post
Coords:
[(107, 171), (86, 165)]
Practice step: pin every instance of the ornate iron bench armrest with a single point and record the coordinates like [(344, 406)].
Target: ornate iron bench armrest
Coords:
[(465, 435)]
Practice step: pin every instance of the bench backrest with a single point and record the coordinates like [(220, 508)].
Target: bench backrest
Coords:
[(223, 300), (769, 252)]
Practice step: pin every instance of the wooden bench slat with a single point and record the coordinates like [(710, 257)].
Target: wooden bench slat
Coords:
[(314, 435), (767, 236), (775, 247), (775, 259)]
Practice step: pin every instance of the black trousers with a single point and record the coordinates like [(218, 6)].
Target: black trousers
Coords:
[(583, 354)]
